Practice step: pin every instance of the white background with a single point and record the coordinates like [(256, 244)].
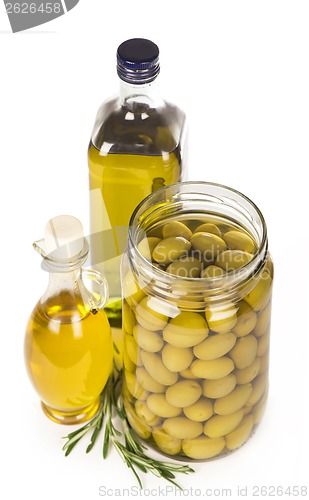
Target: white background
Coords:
[(240, 70)]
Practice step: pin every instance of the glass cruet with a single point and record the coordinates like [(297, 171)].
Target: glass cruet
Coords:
[(68, 343)]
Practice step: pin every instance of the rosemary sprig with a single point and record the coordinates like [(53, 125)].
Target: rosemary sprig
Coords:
[(74, 437), (131, 450)]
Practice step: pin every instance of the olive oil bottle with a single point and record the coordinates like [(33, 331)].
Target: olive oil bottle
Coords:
[(137, 147), (68, 342)]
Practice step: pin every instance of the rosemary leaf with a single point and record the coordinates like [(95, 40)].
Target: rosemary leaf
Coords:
[(106, 442), (70, 448), (131, 450), (71, 442), (137, 477), (94, 436)]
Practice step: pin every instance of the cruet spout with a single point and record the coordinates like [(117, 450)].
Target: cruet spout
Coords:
[(39, 247)]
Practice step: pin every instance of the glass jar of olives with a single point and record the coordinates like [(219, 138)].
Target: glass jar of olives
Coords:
[(197, 283)]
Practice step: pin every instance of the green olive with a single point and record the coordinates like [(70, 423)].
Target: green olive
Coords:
[(263, 344), (264, 363), (127, 363), (182, 428), (186, 267), (263, 321), (148, 340), (171, 249), (207, 246), (131, 291), (157, 370), (221, 425), (238, 240), (128, 318), (183, 393), (200, 411), (145, 414), (259, 409), (147, 382), (142, 430), (215, 346), (187, 374), (166, 443), (246, 319), (247, 410), (134, 387), (118, 348), (221, 318), (177, 359), (231, 260), (186, 330), (156, 232), (224, 227), (128, 399), (147, 246), (148, 317), (260, 294), (246, 375), (269, 266), (208, 228), (219, 388), (240, 435), (193, 224), (202, 447), (176, 228), (244, 351), (260, 385), (159, 406), (213, 369), (132, 350), (118, 341), (233, 401), (212, 272)]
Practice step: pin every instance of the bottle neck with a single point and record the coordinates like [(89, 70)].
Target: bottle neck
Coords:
[(63, 281), (66, 299), (68, 283), (134, 97)]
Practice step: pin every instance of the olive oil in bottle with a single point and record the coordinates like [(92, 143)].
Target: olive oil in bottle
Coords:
[(68, 342), (66, 348), (135, 149)]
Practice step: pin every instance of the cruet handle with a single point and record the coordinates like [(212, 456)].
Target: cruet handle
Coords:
[(98, 298)]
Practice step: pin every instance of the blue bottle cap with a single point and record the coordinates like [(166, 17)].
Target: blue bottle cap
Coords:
[(138, 61)]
